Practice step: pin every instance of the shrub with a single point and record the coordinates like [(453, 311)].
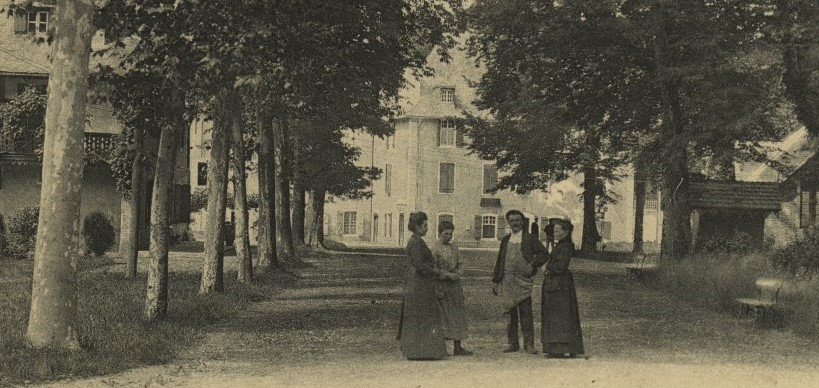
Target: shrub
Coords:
[(98, 233), (199, 200), (21, 233), (740, 242), (800, 258)]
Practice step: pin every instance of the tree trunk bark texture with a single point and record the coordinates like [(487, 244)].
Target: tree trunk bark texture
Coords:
[(284, 234), (267, 244), (156, 298), (131, 241), (591, 235), (299, 191), (214, 260), (639, 210), (53, 314), (242, 243), (317, 227), (676, 239)]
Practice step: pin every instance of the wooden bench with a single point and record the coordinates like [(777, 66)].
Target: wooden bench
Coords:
[(640, 268), (764, 306)]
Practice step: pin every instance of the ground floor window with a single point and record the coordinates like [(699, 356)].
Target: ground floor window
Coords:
[(489, 226), (807, 206), (349, 225)]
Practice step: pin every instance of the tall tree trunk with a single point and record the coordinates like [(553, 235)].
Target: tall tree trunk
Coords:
[(242, 243), (130, 239), (214, 259), (676, 241), (590, 233), (267, 244), (317, 225), (284, 234), (156, 298), (53, 314), (639, 208), (299, 191)]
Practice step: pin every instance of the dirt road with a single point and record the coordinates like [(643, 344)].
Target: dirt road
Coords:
[(336, 327)]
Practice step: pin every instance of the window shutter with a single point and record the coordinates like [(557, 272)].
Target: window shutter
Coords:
[(501, 231), (478, 227), (439, 133), (339, 223), (20, 21), (459, 138)]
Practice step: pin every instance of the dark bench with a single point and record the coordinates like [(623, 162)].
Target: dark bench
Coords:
[(765, 307), (640, 268)]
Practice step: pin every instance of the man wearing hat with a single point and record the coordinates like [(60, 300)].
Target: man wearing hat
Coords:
[(519, 257)]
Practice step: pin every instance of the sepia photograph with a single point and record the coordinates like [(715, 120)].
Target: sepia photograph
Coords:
[(409, 193)]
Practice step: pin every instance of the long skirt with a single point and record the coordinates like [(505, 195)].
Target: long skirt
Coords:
[(419, 328), (560, 330), (451, 305)]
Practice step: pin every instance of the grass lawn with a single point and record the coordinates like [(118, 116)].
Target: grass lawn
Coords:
[(112, 334)]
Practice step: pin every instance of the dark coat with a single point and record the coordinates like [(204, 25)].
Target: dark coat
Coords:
[(560, 318), (419, 328), (532, 250)]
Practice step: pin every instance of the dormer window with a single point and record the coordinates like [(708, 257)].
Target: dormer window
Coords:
[(448, 95), (38, 22)]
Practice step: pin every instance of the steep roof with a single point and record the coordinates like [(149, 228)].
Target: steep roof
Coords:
[(735, 195), (421, 98)]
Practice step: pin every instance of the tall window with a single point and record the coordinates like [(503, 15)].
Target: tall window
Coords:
[(490, 177), (388, 178), (38, 22), (807, 207), (388, 229), (202, 174), (446, 178), (445, 217), (447, 134), (489, 226), (448, 95), (349, 223)]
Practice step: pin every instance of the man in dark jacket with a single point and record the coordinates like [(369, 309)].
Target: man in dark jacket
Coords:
[(519, 257)]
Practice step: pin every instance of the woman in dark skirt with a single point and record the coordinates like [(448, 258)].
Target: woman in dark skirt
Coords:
[(560, 331), (419, 328)]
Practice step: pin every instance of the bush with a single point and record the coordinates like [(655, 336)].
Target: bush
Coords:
[(740, 242), (98, 233), (800, 258), (21, 233)]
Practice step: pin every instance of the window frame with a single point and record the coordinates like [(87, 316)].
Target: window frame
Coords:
[(447, 126), (810, 220), (353, 225), (388, 178), (33, 26), (483, 178), (484, 224), (447, 95), (454, 168)]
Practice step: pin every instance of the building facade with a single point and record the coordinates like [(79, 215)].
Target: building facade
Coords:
[(23, 64)]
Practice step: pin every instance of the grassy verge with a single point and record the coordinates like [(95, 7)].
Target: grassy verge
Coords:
[(713, 280), (112, 334)]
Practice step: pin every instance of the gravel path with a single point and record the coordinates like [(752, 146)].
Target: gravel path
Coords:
[(336, 327)]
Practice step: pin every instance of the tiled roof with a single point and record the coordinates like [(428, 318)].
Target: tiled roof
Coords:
[(735, 195)]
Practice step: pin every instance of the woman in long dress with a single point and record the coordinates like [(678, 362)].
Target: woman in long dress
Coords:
[(450, 293), (560, 331), (419, 328)]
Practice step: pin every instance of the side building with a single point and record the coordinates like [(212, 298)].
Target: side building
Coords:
[(25, 64)]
